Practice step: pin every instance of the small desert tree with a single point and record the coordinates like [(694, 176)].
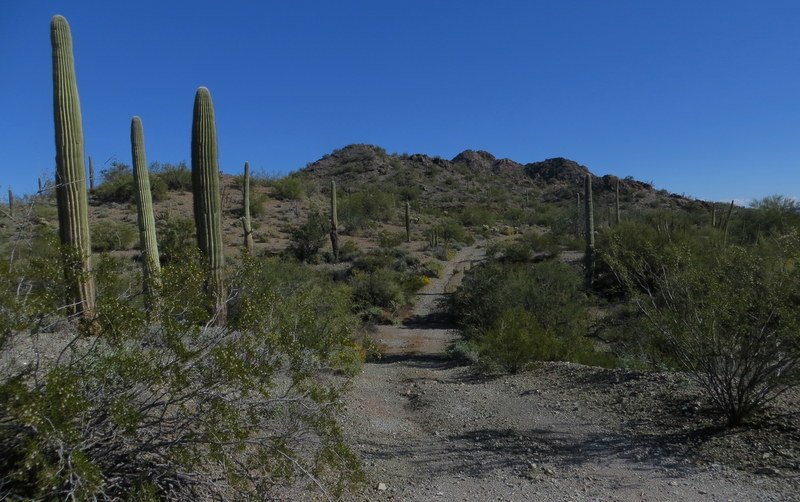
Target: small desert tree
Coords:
[(729, 318)]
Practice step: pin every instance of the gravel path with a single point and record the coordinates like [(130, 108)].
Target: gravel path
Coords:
[(430, 430)]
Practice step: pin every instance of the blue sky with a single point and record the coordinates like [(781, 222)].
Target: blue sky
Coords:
[(698, 97)]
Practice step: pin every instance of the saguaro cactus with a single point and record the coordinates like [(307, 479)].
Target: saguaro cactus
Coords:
[(247, 226), (10, 203), (589, 211), (73, 213), (408, 221), (207, 204), (151, 266), (616, 200), (91, 173), (334, 224)]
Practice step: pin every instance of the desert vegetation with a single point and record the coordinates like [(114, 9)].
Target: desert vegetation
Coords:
[(173, 333)]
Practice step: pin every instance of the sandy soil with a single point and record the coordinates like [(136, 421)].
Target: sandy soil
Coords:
[(429, 429)]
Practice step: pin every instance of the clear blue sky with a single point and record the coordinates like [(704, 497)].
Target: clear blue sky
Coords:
[(699, 97)]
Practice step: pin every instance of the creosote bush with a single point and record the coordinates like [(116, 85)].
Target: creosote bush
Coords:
[(514, 313), (174, 409)]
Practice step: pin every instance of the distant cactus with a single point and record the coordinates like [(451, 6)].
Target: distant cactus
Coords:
[(408, 221), (616, 198), (91, 174), (334, 224), (151, 265), (589, 211), (207, 204), (247, 226), (73, 213), (10, 203)]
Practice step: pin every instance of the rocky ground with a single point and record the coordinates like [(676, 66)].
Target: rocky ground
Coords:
[(428, 428)]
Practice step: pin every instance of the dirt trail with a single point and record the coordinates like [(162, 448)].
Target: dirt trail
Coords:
[(429, 430)]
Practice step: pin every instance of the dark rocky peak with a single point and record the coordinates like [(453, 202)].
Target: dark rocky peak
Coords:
[(357, 153), (506, 166), (557, 168), (475, 160)]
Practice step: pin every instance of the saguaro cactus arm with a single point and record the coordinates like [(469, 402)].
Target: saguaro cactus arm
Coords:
[(73, 213)]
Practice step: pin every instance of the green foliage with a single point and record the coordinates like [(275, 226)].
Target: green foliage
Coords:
[(729, 317), (113, 236), (176, 177), (362, 210), (176, 236), (771, 216), (177, 410), (385, 280), (539, 309), (477, 216), (118, 185), (309, 238), (289, 188)]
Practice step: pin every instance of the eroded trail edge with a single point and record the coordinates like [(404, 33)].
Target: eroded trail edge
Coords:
[(427, 428)]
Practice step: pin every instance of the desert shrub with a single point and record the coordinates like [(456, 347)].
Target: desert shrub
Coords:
[(391, 239), (176, 409), (385, 280), (308, 238), (113, 236), (364, 209), (432, 269), (451, 231), (289, 188), (117, 185), (477, 216), (349, 251), (770, 216), (176, 177), (547, 296), (176, 235), (729, 317)]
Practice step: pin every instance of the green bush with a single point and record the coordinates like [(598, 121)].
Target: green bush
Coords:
[(113, 236), (289, 188), (176, 177), (309, 238), (174, 409), (117, 185), (548, 300), (727, 315), (362, 210), (176, 236)]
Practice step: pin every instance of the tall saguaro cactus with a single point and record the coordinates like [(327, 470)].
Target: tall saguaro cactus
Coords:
[(91, 174), (73, 212), (247, 226), (207, 204), (616, 200), (334, 224), (408, 221), (589, 211), (151, 266)]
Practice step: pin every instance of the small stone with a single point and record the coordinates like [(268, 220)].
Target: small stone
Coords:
[(382, 487), (767, 471)]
